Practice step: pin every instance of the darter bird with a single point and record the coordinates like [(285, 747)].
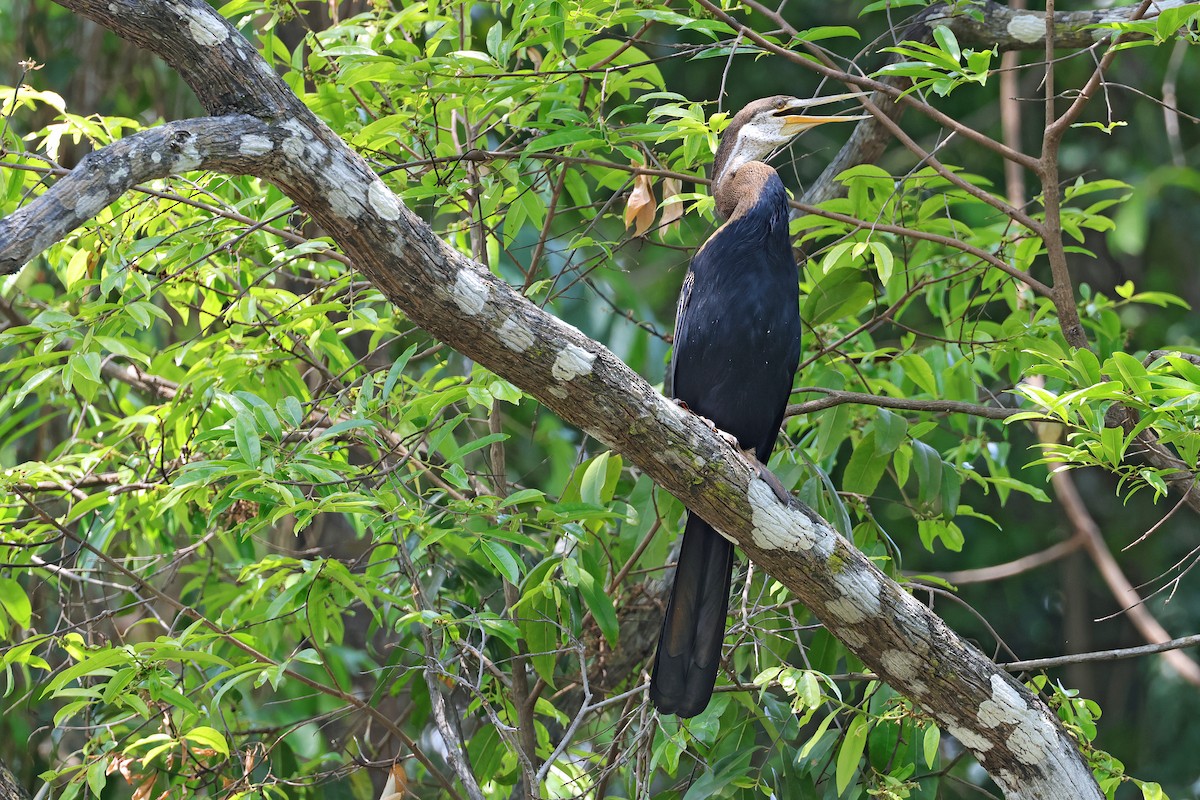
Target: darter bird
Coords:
[(737, 344)]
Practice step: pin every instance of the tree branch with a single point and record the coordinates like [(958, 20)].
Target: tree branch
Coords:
[(1104, 655), (837, 397)]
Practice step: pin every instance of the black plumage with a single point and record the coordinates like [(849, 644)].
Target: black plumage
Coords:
[(737, 344)]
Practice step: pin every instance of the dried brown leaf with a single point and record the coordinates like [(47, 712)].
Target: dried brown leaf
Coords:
[(639, 210), (396, 785), (672, 210), (142, 792)]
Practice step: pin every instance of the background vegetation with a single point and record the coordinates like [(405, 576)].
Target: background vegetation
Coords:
[(251, 518)]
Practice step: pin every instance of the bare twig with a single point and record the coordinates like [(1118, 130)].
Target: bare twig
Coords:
[(837, 397), (1170, 646), (1015, 567)]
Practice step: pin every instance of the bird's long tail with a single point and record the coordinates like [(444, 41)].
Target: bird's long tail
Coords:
[(689, 647)]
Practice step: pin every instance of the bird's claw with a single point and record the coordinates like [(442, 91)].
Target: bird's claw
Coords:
[(769, 478), (760, 469), (729, 438)]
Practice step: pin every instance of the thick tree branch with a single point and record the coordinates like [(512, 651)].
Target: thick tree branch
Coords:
[(233, 144), (1016, 29), (10, 789), (1017, 739)]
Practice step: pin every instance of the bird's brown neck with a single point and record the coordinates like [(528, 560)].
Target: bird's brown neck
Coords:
[(736, 192)]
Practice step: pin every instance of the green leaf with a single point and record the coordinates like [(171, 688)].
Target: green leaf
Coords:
[(889, 5), (816, 738), (208, 737), (1151, 791), (826, 32), (851, 751), (884, 261), (76, 268), (561, 139), (291, 410), (889, 431), (832, 428), (929, 745), (865, 467), (928, 464), (96, 777), (502, 559), (263, 413), (37, 380), (591, 488), (600, 604), (947, 41), (246, 436), (539, 625), (16, 602), (523, 496), (485, 747), (917, 370), (839, 294)]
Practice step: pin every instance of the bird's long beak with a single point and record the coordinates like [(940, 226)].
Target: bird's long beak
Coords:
[(797, 119)]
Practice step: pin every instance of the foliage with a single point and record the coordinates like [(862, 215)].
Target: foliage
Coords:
[(258, 528)]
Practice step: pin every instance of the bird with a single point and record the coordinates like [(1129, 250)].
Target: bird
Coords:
[(736, 350)]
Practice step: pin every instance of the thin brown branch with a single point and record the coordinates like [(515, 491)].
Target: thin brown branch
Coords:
[(1063, 294), (1168, 647), (831, 72), (1012, 568), (1055, 128), (947, 241), (837, 397)]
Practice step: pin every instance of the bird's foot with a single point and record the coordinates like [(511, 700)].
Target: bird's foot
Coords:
[(729, 438), (768, 477)]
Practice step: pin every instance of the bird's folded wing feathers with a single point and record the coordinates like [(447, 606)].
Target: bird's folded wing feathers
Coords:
[(685, 295)]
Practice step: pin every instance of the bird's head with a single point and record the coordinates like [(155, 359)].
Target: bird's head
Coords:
[(765, 125)]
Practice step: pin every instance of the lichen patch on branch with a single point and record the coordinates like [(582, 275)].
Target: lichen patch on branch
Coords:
[(203, 28), (302, 145), (780, 527), (515, 335), (383, 201), (572, 362), (905, 667), (1027, 28), (1031, 737), (187, 154), (469, 292), (346, 194), (88, 205), (970, 740), (254, 145), (860, 594)]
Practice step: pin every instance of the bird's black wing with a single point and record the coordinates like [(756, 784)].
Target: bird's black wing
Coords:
[(685, 296)]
